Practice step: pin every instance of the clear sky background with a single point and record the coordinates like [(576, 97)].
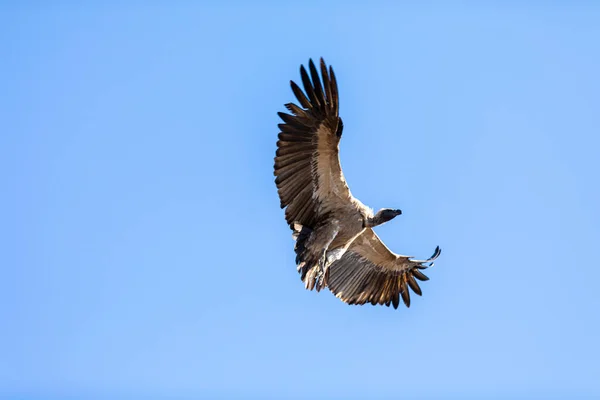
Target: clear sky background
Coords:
[(143, 253)]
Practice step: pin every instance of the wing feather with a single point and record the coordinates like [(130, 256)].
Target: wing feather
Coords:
[(309, 89), (307, 166), (369, 272), (304, 102), (316, 82)]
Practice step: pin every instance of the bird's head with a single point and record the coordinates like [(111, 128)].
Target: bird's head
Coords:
[(384, 215)]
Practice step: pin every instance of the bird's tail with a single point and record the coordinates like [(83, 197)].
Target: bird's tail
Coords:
[(306, 261), (301, 235)]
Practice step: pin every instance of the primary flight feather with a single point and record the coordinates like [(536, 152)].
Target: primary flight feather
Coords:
[(336, 246)]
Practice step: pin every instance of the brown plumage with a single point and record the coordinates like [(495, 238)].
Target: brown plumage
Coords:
[(336, 246)]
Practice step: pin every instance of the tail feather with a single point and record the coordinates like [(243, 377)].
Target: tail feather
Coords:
[(309, 251), (301, 235)]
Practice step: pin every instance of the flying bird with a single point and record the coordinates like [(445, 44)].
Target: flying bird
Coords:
[(336, 246)]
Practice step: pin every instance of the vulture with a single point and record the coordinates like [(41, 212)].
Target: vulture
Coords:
[(335, 246)]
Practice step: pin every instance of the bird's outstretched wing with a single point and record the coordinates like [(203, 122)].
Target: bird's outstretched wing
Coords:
[(370, 273), (307, 168)]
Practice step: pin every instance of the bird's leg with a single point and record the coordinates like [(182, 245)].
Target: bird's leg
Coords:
[(321, 270), (323, 263), (328, 258), (323, 260)]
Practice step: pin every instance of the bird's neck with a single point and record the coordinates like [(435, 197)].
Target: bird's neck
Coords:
[(373, 221)]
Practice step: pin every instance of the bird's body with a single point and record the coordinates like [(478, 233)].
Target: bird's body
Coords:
[(335, 244)]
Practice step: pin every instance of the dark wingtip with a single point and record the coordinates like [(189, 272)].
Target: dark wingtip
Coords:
[(407, 301), (405, 294), (332, 74), (413, 285), (419, 275), (436, 254), (396, 301), (303, 70)]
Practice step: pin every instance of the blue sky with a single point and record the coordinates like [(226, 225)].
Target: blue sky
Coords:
[(143, 251)]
